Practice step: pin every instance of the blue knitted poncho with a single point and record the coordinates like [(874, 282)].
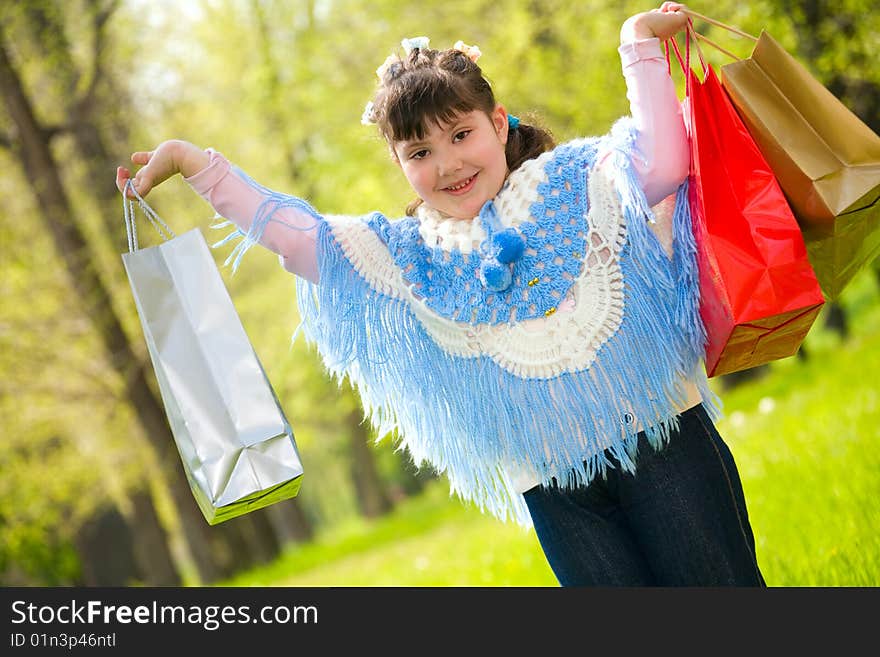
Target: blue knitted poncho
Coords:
[(460, 353)]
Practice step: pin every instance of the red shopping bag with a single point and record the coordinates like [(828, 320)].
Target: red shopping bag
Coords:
[(758, 293)]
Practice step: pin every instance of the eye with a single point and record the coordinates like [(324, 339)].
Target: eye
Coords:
[(419, 155), (461, 135)]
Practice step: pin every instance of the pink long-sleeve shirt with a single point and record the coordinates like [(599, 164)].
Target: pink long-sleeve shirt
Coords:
[(661, 162)]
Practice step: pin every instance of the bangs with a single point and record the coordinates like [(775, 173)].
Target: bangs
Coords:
[(427, 96)]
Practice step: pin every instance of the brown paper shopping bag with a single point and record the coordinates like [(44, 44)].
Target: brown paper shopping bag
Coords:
[(826, 159), (758, 293)]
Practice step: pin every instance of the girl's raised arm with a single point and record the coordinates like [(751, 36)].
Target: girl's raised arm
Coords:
[(662, 156)]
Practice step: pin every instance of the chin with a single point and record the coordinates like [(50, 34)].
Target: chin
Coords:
[(467, 210)]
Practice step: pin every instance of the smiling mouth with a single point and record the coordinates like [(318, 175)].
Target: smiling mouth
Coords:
[(462, 187)]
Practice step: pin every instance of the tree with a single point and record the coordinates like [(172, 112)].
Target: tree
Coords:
[(31, 144)]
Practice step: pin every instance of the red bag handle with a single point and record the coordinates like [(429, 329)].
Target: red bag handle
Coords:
[(686, 63)]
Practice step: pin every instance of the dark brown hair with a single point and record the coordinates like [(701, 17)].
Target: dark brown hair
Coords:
[(435, 86)]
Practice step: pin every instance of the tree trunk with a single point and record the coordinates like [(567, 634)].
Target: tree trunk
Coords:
[(32, 147), (372, 498), (260, 538), (290, 522), (414, 480), (836, 320), (155, 562), (734, 379), (207, 545), (106, 550)]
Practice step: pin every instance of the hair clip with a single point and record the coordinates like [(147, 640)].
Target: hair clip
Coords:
[(383, 69), (367, 116), (512, 122), (415, 42), (471, 52)]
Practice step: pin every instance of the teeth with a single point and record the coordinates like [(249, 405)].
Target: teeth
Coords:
[(455, 188)]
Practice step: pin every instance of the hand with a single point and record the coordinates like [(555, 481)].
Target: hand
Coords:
[(160, 164), (662, 23)]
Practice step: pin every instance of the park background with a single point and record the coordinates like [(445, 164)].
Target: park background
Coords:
[(92, 491)]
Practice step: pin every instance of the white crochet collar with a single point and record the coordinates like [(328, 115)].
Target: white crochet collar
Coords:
[(519, 191), (447, 233)]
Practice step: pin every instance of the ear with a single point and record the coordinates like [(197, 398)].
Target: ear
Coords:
[(499, 120)]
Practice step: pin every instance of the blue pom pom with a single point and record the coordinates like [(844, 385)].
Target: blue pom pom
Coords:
[(495, 276), (510, 245)]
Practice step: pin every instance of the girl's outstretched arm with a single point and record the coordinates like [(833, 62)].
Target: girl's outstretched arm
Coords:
[(662, 155), (289, 232)]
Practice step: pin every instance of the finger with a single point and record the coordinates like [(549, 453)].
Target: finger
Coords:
[(142, 183), (122, 175), (141, 157)]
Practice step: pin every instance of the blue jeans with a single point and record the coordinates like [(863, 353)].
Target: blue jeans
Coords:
[(680, 520)]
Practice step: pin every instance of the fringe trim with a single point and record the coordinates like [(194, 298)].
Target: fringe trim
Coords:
[(473, 421), (272, 202)]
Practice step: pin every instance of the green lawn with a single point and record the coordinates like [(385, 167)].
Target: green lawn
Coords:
[(805, 438), (428, 541)]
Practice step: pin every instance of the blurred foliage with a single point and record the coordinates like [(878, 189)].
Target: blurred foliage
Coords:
[(278, 87)]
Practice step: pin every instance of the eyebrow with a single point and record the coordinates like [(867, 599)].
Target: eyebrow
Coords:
[(406, 145), (450, 127)]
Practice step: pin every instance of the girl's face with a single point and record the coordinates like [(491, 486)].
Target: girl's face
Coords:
[(460, 165)]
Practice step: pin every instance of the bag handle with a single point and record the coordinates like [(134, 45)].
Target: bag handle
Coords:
[(129, 217), (686, 62), (692, 14)]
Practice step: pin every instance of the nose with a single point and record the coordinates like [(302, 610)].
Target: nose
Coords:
[(448, 163)]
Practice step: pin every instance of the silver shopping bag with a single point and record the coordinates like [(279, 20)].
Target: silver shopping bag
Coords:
[(237, 447)]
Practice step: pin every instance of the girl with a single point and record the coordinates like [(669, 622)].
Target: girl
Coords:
[(531, 327)]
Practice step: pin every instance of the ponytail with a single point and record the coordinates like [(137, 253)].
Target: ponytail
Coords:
[(526, 142)]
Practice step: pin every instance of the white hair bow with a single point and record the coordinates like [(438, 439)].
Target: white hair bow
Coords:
[(415, 42), (471, 52)]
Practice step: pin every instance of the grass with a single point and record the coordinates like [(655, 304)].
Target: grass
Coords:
[(806, 443), (429, 540), (805, 438)]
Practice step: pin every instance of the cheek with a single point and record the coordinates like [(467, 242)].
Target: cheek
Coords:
[(418, 177), (493, 152), (496, 159)]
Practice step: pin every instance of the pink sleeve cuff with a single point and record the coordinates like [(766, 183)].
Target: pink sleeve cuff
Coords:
[(204, 180), (290, 233), (640, 49)]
